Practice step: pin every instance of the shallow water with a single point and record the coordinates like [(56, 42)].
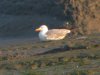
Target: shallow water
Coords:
[(14, 41)]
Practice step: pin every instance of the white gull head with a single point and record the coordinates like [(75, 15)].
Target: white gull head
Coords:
[(43, 29)]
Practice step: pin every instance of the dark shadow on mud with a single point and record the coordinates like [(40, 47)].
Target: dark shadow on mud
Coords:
[(62, 49)]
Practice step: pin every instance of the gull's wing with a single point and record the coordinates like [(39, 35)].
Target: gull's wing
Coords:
[(56, 34)]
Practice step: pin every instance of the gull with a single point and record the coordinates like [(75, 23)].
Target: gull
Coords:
[(52, 34)]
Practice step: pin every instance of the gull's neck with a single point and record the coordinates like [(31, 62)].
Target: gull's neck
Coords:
[(42, 34)]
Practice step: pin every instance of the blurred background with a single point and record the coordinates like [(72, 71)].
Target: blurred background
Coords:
[(21, 17)]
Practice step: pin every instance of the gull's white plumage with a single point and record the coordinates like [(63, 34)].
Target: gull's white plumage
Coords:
[(52, 34)]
